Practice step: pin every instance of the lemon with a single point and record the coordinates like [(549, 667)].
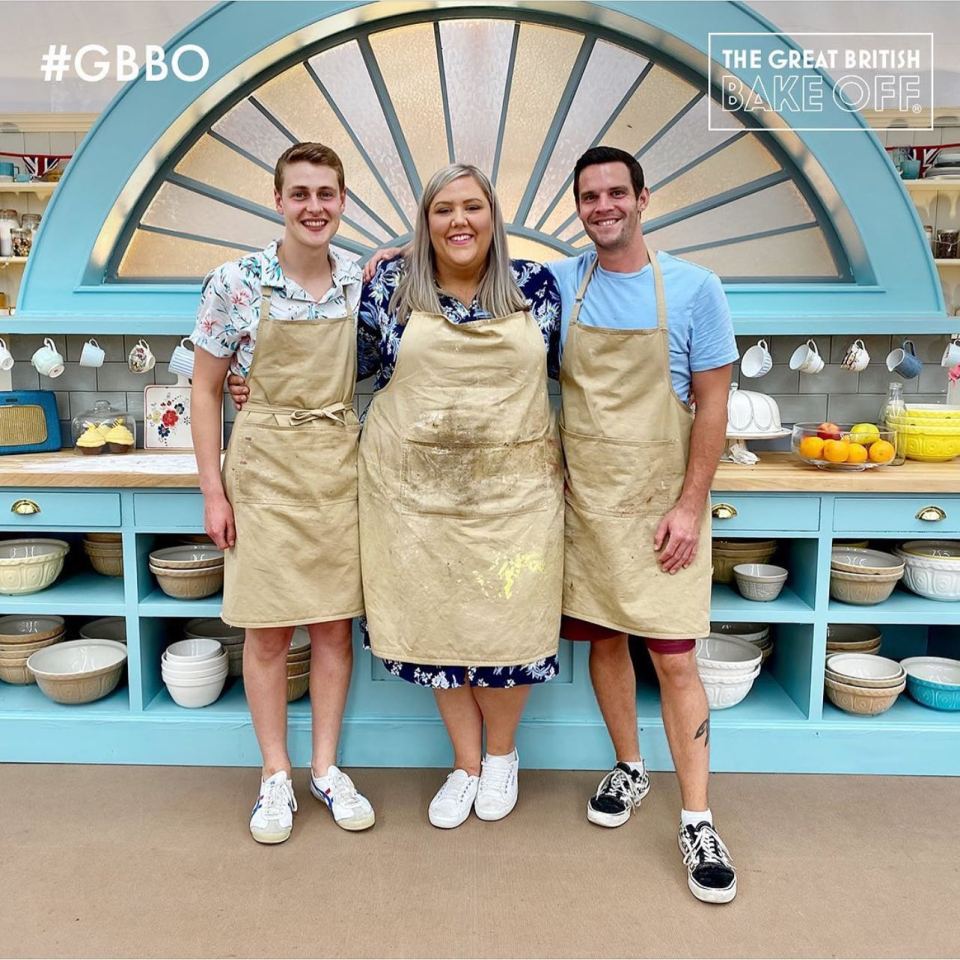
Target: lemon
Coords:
[(865, 433)]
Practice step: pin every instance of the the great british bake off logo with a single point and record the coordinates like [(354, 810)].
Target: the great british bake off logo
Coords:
[(806, 78)]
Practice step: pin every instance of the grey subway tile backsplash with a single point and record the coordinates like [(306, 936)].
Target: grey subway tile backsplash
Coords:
[(834, 393)]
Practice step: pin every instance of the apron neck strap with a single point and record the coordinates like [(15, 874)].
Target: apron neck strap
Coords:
[(657, 287), (265, 294)]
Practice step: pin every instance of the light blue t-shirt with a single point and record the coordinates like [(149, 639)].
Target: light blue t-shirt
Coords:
[(698, 317)]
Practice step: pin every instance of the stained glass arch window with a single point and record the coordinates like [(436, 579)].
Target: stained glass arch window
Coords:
[(518, 97)]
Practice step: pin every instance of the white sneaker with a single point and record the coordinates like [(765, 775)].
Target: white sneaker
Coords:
[(351, 810), (497, 794), (272, 819), (452, 803)]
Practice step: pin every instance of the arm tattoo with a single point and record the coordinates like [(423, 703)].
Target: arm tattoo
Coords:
[(703, 731)]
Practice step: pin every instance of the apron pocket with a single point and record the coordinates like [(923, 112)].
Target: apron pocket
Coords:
[(484, 480), (310, 463), (622, 478)]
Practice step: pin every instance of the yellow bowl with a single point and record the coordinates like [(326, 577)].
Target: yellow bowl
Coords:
[(928, 444)]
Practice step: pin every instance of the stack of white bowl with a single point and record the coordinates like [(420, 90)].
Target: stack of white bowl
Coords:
[(230, 638), (853, 638), (105, 553), (20, 637), (863, 577), (727, 667), (863, 683), (756, 633), (188, 573), (932, 568), (194, 671)]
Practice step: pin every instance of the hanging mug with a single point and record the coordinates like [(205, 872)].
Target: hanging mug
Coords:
[(92, 354), (904, 361), (141, 359), (806, 358), (181, 360), (857, 358), (48, 362)]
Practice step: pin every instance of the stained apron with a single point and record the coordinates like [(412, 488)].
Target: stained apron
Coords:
[(626, 440), (461, 503), (290, 474)]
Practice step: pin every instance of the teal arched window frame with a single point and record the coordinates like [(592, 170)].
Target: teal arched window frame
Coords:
[(888, 279)]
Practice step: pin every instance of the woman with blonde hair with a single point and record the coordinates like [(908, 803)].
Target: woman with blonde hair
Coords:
[(461, 482)]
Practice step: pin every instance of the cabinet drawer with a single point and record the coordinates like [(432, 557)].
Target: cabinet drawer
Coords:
[(160, 510), (764, 513), (53, 508), (881, 515)]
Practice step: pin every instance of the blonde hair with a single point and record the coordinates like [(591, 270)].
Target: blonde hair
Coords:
[(498, 292)]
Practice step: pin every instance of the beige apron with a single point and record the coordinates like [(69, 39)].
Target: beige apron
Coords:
[(461, 501), (626, 438), (291, 476)]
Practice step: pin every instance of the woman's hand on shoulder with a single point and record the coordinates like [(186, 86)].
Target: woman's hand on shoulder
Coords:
[(378, 256)]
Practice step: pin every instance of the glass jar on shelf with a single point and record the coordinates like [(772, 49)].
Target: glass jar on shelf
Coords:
[(9, 221), (104, 429), (20, 242), (893, 407), (31, 222)]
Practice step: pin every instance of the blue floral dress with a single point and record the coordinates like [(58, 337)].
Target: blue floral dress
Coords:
[(378, 343)]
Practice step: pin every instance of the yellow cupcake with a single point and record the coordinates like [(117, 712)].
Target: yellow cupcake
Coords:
[(91, 441), (119, 439)]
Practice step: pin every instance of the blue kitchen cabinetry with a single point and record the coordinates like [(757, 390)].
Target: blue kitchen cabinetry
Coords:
[(783, 725)]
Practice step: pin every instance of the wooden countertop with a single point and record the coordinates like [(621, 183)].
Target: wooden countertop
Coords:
[(776, 473)]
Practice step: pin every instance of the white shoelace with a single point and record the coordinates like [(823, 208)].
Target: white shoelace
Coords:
[(495, 778), (707, 848), (343, 790), (619, 783), (450, 790), (275, 797)]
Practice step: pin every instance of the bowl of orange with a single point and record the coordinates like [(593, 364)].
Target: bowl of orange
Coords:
[(843, 446)]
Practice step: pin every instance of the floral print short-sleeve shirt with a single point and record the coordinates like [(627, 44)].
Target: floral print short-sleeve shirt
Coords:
[(229, 310)]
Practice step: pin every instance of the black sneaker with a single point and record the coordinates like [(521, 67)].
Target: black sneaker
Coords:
[(619, 793), (710, 873)]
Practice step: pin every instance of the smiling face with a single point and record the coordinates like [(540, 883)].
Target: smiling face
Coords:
[(608, 207), (311, 203), (461, 227)]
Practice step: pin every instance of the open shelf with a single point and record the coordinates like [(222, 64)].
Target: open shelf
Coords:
[(906, 712), (901, 607), (29, 698), (41, 189), (767, 702), (934, 185), (82, 592), (727, 604), (158, 604), (231, 704)]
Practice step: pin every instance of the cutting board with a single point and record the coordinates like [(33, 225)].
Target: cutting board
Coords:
[(166, 417)]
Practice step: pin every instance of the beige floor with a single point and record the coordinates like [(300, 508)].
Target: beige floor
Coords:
[(156, 861)]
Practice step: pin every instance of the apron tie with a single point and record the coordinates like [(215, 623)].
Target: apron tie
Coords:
[(295, 417), (333, 412)]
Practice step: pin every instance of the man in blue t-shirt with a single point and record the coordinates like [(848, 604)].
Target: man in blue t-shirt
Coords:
[(642, 335)]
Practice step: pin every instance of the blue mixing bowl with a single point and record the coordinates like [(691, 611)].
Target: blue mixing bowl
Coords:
[(939, 696)]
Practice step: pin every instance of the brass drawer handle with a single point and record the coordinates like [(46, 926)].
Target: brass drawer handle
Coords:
[(931, 513), (724, 511), (25, 508)]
